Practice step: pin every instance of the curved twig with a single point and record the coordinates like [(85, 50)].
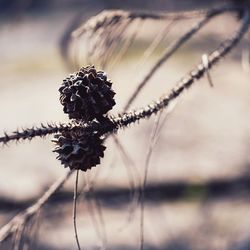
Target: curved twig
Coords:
[(172, 49), (105, 31), (107, 17)]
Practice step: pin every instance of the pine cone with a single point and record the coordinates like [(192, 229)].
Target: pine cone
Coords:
[(87, 94), (78, 150)]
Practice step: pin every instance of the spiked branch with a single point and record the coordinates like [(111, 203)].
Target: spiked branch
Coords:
[(128, 118), (175, 46), (186, 82), (122, 120), (43, 130)]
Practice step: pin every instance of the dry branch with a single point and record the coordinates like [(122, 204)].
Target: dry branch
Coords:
[(121, 120), (21, 219), (125, 119), (170, 51), (108, 30)]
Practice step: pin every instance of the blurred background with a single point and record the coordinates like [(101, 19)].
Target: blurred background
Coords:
[(198, 185)]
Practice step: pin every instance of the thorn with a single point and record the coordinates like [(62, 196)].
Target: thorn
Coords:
[(205, 62)]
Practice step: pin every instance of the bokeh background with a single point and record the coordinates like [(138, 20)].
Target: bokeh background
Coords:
[(197, 193)]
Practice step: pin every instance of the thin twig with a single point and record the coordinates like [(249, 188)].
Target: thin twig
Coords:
[(74, 210), (98, 208), (155, 43), (93, 208), (112, 17), (148, 156), (127, 160), (112, 40), (127, 43), (105, 31), (133, 175)]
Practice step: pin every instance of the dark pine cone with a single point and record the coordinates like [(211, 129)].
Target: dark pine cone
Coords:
[(78, 150), (87, 94)]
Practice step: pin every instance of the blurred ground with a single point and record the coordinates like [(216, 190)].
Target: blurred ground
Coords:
[(205, 139)]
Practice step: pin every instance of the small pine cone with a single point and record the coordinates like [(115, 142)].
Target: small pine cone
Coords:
[(78, 150), (87, 94)]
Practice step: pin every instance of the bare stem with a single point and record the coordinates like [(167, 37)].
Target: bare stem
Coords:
[(74, 210), (148, 156)]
